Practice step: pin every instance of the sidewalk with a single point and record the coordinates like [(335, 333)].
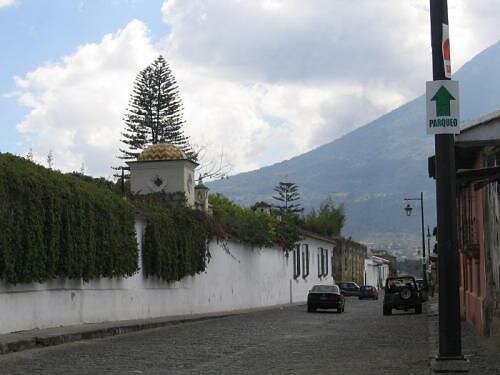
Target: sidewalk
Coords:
[(18, 341), (482, 352)]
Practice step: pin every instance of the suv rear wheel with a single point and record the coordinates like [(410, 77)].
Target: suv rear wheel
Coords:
[(387, 310)]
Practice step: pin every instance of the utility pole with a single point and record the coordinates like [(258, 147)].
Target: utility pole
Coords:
[(450, 346)]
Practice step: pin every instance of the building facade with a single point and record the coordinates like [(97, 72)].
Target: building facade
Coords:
[(342, 259), (478, 219), (350, 264), (376, 271), (384, 254)]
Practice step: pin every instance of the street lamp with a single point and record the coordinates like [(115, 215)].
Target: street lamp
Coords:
[(201, 195), (408, 209)]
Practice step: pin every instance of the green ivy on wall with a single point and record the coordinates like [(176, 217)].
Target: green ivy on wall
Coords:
[(175, 242), (55, 225), (72, 226)]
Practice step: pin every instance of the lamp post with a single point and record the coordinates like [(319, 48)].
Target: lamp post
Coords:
[(408, 210), (429, 241), (201, 195), (432, 281)]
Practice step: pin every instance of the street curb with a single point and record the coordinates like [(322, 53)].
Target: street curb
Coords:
[(25, 340)]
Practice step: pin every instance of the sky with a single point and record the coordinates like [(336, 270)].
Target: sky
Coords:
[(261, 80)]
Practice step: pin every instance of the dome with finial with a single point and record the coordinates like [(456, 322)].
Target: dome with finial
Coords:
[(161, 151)]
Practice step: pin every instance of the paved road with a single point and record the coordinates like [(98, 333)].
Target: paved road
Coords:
[(282, 341)]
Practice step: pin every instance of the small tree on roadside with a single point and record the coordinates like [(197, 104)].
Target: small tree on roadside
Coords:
[(288, 195), (154, 114)]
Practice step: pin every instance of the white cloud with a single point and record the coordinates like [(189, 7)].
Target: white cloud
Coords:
[(77, 105), (270, 79), (299, 40), (473, 27), (263, 80), (6, 3), (291, 75)]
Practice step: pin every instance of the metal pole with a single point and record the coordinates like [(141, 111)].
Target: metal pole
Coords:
[(429, 241), (431, 280), (424, 274), (450, 346)]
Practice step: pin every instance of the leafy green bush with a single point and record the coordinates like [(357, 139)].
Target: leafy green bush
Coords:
[(78, 227), (328, 221), (55, 225), (253, 227), (175, 242)]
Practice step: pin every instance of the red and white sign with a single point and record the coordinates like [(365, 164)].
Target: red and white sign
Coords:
[(446, 51)]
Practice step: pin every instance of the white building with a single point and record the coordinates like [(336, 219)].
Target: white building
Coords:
[(238, 276), (376, 271)]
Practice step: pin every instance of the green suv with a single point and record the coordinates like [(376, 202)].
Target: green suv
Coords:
[(402, 293)]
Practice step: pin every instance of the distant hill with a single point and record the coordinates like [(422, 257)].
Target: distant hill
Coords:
[(374, 167)]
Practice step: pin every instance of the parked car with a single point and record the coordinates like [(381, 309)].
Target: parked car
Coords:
[(401, 293), (349, 288), (368, 292), (325, 297)]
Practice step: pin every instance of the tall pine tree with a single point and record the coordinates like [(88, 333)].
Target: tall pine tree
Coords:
[(288, 195), (154, 113)]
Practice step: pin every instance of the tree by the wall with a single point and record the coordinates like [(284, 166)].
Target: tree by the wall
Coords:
[(288, 196), (154, 114), (328, 221)]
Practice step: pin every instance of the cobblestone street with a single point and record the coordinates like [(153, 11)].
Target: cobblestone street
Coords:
[(282, 341)]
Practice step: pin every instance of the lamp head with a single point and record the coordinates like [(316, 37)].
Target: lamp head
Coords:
[(408, 209)]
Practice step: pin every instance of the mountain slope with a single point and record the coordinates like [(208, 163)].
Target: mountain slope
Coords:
[(373, 168)]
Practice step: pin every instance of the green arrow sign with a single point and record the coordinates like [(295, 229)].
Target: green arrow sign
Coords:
[(442, 99)]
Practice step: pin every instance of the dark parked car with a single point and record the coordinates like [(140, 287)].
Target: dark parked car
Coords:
[(349, 288), (368, 292), (401, 293), (325, 297)]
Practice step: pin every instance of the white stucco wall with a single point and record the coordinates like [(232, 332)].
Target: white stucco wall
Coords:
[(177, 176), (371, 273), (245, 278), (376, 271)]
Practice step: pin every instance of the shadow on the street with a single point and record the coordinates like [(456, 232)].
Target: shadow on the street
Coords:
[(402, 313), (323, 312)]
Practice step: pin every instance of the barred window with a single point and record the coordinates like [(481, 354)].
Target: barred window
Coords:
[(322, 262), (305, 260), (296, 261), (332, 262)]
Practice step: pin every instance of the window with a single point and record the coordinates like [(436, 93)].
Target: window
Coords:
[(325, 289), (305, 260), (325, 271), (322, 262), (332, 262), (296, 261), (319, 262)]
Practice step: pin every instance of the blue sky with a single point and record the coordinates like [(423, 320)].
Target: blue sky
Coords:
[(261, 80), (37, 32)]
